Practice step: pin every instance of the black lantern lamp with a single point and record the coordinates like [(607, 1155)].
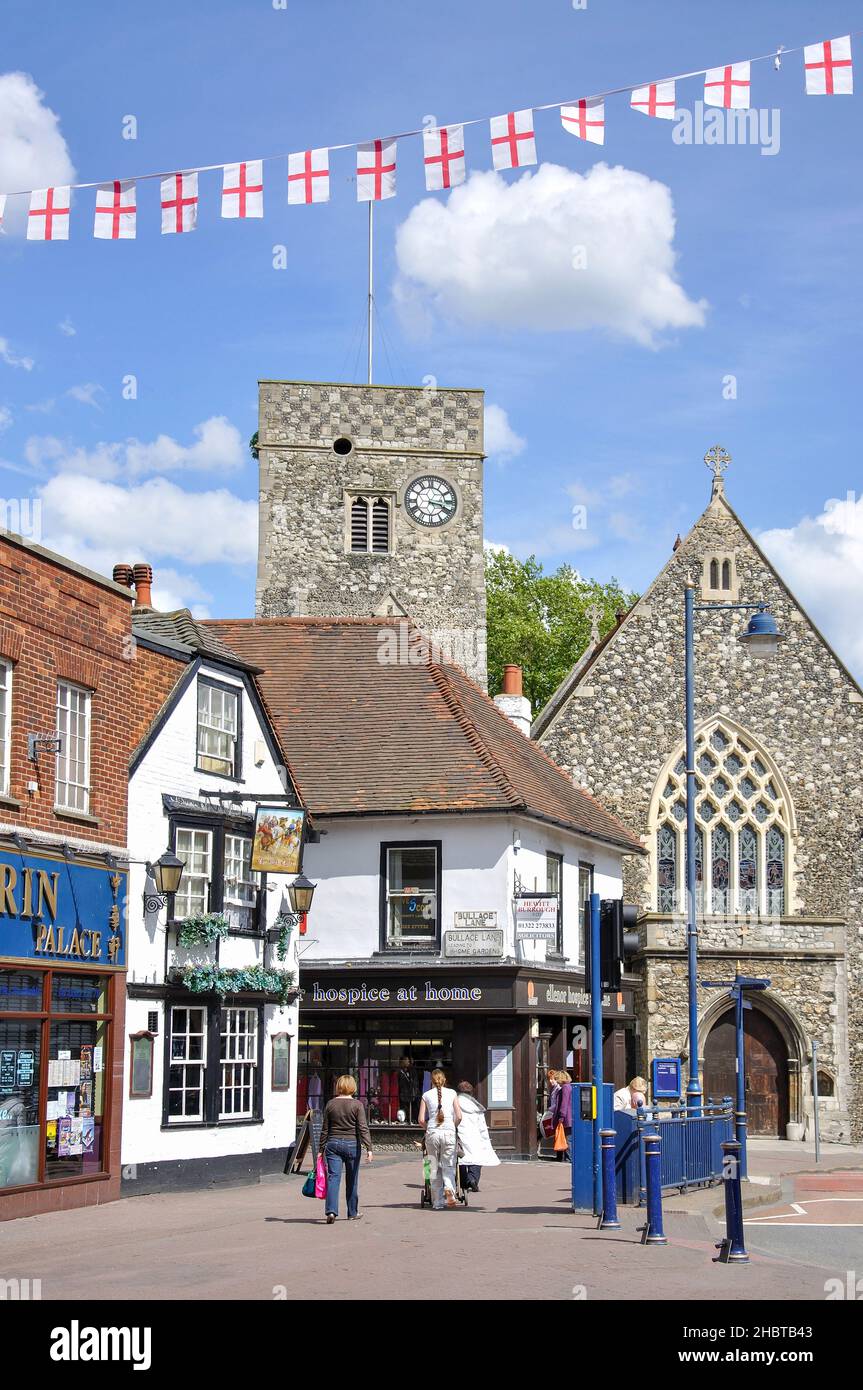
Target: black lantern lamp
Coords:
[(301, 892), (166, 873)]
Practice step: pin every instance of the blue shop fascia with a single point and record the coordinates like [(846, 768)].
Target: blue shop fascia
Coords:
[(62, 968)]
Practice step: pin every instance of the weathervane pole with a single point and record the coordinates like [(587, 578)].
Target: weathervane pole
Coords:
[(371, 286)]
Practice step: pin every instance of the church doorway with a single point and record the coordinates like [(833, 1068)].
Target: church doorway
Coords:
[(766, 1064)]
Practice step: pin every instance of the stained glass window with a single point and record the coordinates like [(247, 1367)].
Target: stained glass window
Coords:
[(720, 843), (775, 871), (747, 869), (667, 868)]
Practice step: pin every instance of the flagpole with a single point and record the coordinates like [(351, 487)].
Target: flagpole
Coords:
[(371, 287)]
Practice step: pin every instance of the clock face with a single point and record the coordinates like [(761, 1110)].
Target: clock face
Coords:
[(431, 501)]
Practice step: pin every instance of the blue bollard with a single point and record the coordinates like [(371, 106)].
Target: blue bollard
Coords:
[(732, 1249), (608, 1220), (652, 1233)]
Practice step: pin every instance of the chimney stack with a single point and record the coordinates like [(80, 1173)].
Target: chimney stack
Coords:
[(512, 701), (143, 577), (123, 575)]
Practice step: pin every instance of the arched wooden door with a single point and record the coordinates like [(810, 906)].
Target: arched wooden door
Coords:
[(766, 1063)]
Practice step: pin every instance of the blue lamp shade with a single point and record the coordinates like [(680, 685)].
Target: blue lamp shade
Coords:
[(762, 637)]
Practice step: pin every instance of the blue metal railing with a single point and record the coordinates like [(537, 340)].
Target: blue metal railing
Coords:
[(691, 1146)]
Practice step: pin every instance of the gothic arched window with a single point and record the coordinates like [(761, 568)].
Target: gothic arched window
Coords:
[(370, 525), (742, 832)]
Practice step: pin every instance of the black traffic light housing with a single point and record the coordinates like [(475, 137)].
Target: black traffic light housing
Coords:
[(616, 922)]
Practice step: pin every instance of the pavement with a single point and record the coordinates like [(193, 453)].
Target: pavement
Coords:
[(517, 1240)]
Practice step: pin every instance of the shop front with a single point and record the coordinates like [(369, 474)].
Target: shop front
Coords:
[(62, 968), (499, 1027)]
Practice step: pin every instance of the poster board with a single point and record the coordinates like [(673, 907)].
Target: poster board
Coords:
[(308, 1136), (277, 844)]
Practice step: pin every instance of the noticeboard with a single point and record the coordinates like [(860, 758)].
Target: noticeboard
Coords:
[(665, 1078)]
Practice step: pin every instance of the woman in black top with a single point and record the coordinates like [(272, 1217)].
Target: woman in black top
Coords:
[(344, 1131)]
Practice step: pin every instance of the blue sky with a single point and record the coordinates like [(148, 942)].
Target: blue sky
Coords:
[(613, 407)]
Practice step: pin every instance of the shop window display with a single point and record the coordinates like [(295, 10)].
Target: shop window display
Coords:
[(392, 1065)]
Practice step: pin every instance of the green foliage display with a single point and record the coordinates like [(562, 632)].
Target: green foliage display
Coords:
[(541, 622), (215, 979), (197, 931)]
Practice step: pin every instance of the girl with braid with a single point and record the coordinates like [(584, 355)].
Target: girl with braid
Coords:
[(440, 1113)]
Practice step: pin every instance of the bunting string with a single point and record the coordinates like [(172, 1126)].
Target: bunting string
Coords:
[(827, 68)]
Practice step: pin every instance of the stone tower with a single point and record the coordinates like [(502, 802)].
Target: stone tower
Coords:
[(371, 505)]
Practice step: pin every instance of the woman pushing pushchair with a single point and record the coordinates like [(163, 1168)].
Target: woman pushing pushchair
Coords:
[(440, 1112)]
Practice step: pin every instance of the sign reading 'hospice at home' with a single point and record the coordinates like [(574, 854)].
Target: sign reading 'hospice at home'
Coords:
[(426, 993)]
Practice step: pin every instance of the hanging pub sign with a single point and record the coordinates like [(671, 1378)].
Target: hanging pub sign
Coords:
[(277, 846), (536, 916)]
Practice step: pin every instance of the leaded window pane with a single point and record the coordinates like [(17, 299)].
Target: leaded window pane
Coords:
[(720, 845), (775, 871), (747, 869), (667, 868)]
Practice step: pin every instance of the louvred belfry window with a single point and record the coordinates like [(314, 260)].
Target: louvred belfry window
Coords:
[(370, 522)]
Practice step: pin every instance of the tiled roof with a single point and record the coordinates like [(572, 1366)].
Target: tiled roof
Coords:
[(367, 737), (180, 630)]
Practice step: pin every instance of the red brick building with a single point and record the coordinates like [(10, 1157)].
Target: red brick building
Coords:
[(67, 727)]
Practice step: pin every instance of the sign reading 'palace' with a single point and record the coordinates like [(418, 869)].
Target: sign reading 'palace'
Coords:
[(61, 911)]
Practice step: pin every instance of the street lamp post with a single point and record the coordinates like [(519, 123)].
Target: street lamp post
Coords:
[(762, 639)]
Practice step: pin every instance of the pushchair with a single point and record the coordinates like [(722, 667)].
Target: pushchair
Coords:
[(426, 1194)]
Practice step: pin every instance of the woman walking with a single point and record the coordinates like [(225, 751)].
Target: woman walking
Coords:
[(440, 1112), (344, 1132), (473, 1141), (561, 1112)]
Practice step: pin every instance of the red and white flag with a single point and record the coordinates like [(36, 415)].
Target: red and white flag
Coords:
[(828, 68), (179, 203), (309, 177), (243, 189), (513, 143), (2, 208), (116, 211), (586, 119), (443, 148), (728, 86), (49, 215), (376, 171), (656, 99)]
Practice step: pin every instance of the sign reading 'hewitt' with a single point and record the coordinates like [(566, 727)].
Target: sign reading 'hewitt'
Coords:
[(61, 911)]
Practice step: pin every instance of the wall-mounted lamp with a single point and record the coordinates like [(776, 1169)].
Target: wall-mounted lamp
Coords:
[(301, 892), (166, 873)]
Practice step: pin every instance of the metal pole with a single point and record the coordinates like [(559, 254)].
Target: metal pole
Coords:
[(740, 1114), (652, 1233), (693, 1087), (596, 1048), (815, 1102), (608, 1220), (371, 287), (732, 1249)]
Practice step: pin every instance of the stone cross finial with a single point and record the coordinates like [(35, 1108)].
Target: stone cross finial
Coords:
[(717, 461), (594, 612)]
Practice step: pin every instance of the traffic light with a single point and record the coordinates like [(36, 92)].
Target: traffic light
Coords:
[(614, 917)]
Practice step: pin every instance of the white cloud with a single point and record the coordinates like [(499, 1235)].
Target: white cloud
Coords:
[(501, 440), (11, 358), (173, 589), (553, 251), (821, 558), (496, 548), (100, 522), (33, 152), (67, 328), (218, 448), (87, 393), (5, 417)]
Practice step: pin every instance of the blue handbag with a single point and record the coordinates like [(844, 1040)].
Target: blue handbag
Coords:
[(309, 1185)]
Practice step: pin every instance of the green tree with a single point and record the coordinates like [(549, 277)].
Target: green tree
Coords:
[(541, 621)]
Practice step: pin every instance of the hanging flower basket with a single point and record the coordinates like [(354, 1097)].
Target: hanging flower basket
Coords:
[(200, 931), (215, 979)]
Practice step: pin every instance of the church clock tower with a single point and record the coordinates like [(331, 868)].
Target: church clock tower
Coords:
[(371, 506)]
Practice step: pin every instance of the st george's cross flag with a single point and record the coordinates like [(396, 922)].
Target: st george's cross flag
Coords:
[(243, 189), (828, 68), (513, 143), (656, 99), (2, 209), (179, 203), (309, 176), (49, 214), (728, 86), (376, 171), (443, 149), (586, 119), (116, 211)]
